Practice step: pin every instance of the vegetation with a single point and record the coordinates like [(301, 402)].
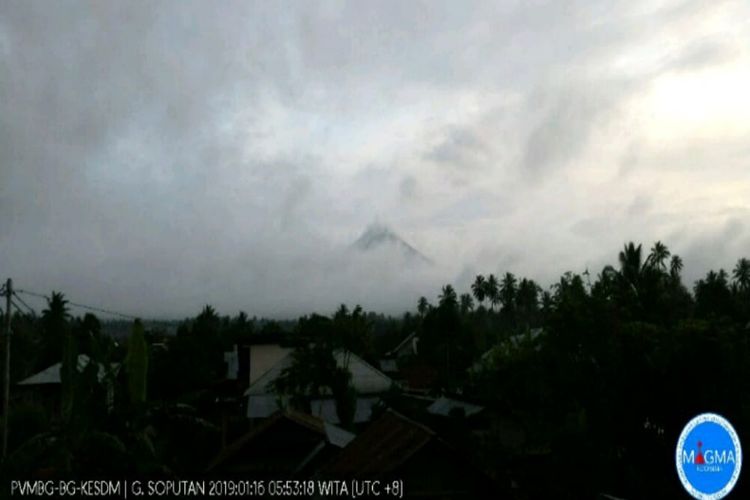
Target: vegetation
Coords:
[(598, 373)]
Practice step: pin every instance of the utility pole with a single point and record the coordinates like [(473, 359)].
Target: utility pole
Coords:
[(6, 388)]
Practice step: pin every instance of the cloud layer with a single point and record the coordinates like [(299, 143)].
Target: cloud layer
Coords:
[(158, 156)]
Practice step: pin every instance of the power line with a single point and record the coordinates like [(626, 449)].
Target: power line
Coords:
[(31, 309), (33, 294), (82, 306), (13, 302)]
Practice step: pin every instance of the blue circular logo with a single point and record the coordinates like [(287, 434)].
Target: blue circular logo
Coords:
[(709, 457)]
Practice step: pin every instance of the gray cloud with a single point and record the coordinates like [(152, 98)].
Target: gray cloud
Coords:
[(408, 187), (565, 118), (640, 206), (716, 249), (155, 157), (459, 148)]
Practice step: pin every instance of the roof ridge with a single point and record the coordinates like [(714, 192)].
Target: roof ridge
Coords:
[(411, 421), (260, 377), (366, 364), (403, 342)]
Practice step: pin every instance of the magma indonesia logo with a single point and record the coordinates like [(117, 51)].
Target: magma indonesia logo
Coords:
[(709, 457)]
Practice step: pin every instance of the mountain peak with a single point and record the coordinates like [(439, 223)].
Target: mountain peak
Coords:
[(378, 235)]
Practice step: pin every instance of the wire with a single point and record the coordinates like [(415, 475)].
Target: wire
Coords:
[(31, 309), (82, 306), (22, 311)]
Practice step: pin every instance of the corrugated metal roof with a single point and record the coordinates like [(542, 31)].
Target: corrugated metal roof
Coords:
[(263, 357), (263, 384), (444, 406), (388, 365), (366, 379), (334, 435), (51, 375), (337, 436), (263, 405), (420, 377), (384, 445), (407, 342), (326, 409), (487, 360)]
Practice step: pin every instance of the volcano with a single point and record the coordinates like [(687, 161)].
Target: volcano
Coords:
[(377, 236)]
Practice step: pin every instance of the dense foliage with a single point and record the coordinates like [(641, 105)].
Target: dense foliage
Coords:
[(597, 375)]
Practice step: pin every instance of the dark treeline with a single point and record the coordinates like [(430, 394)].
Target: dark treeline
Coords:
[(598, 374)]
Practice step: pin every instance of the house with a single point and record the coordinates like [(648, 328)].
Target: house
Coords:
[(401, 364), (454, 419), (52, 375), (447, 407), (488, 360), (418, 378), (246, 363), (287, 444), (531, 336), (389, 366), (44, 388), (395, 447), (263, 357), (232, 360), (368, 382), (407, 347)]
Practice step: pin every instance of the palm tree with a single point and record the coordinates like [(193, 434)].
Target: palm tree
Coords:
[(631, 266), (608, 273), (478, 288), (658, 256), (713, 295), (207, 318), (723, 277), (527, 297), (741, 274), (492, 290), (467, 303), (57, 307), (55, 329), (314, 370), (207, 326), (56, 316), (508, 292), (606, 282), (423, 306), (242, 318), (675, 267), (341, 312), (448, 298)]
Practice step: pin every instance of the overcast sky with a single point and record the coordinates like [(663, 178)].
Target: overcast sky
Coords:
[(158, 156)]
